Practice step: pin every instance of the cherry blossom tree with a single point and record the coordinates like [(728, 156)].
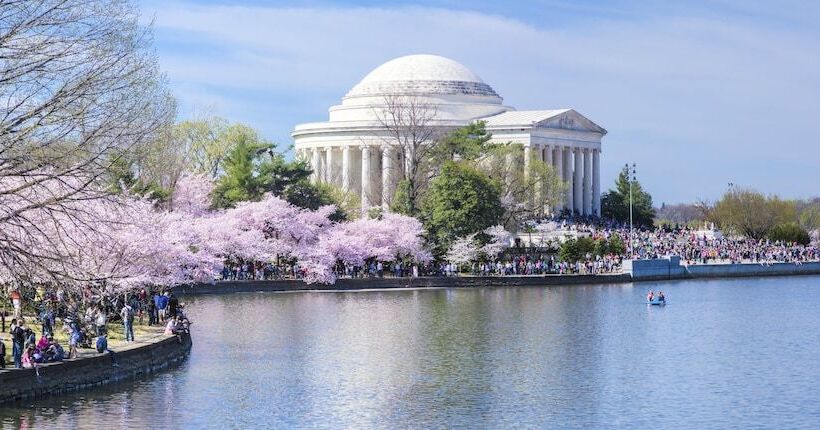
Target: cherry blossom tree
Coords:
[(192, 195), (463, 250), (499, 240)]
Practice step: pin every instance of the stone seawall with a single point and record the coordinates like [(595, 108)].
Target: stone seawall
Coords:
[(132, 361), (670, 268), (395, 283)]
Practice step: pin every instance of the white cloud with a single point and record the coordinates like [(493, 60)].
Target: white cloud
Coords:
[(702, 97)]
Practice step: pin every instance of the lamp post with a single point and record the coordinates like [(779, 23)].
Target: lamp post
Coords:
[(632, 177)]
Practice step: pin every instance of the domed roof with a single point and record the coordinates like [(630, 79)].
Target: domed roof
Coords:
[(421, 75)]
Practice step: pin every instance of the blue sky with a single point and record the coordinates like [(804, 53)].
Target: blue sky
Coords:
[(697, 94)]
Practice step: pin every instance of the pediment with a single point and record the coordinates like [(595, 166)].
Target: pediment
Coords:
[(570, 120)]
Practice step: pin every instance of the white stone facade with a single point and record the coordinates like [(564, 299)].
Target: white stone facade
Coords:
[(352, 149)]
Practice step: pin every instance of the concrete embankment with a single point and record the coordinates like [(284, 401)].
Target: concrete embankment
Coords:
[(137, 359), (396, 283), (671, 268), (634, 270)]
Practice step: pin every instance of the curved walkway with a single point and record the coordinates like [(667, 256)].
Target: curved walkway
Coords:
[(153, 352)]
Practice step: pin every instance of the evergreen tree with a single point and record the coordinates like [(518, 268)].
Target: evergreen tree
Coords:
[(461, 201), (469, 142), (615, 202), (252, 168)]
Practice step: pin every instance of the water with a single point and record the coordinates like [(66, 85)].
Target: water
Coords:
[(722, 354)]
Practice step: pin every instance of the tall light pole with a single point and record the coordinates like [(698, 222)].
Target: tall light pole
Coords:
[(631, 176)]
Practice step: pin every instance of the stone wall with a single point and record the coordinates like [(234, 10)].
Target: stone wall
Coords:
[(98, 369), (389, 283), (670, 268)]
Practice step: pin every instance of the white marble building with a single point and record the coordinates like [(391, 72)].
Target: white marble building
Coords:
[(352, 149)]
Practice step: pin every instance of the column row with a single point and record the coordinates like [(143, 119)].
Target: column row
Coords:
[(372, 172), (579, 169)]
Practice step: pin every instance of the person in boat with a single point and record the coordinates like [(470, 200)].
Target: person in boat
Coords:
[(650, 295), (661, 297)]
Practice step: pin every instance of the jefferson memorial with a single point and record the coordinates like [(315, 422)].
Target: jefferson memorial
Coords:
[(353, 149)]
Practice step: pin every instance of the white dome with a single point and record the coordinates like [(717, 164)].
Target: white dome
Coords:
[(421, 75)]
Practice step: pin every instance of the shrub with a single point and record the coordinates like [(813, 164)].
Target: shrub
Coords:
[(789, 232)]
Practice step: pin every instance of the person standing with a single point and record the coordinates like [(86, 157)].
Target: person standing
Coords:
[(101, 319), (161, 302), (18, 337), (152, 310), (173, 305), (17, 303), (2, 354), (127, 314)]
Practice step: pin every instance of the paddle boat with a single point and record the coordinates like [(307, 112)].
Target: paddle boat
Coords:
[(656, 299)]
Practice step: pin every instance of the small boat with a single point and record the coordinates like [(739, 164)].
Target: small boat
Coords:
[(656, 301)]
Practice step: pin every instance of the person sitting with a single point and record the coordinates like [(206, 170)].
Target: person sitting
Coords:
[(661, 297), (54, 352), (171, 327), (28, 358), (650, 296), (102, 344), (42, 344)]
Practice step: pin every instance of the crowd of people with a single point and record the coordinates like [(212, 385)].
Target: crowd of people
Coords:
[(698, 248), (82, 329), (26, 350), (693, 246)]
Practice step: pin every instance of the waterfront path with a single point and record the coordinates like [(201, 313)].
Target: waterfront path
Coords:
[(152, 351)]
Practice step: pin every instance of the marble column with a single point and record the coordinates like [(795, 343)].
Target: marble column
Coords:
[(527, 157), (328, 165), (587, 182), (346, 177), (578, 182), (387, 176), (558, 165), (596, 182), (316, 165), (567, 176), (547, 156), (366, 202)]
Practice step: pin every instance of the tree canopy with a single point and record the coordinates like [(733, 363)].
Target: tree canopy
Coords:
[(615, 202), (751, 213), (462, 200)]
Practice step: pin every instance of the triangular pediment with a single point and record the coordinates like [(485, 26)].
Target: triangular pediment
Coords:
[(570, 120)]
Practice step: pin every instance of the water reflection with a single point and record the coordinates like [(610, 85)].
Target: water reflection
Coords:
[(720, 354)]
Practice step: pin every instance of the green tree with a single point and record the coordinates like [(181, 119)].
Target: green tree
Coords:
[(402, 202), (461, 201), (252, 168), (242, 180), (615, 202), (313, 196), (751, 213), (527, 192), (573, 250), (789, 232), (468, 143), (810, 216)]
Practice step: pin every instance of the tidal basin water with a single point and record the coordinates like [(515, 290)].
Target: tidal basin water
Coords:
[(722, 354)]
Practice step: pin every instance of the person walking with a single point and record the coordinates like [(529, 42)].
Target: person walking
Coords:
[(127, 314)]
